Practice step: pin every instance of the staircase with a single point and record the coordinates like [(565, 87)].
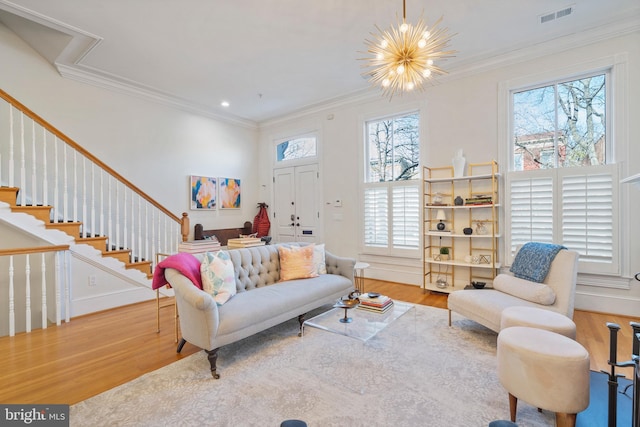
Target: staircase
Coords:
[(81, 201), (75, 229)]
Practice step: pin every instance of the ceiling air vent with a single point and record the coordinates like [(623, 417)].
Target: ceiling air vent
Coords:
[(547, 17)]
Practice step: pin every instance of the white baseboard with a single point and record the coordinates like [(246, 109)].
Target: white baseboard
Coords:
[(625, 306), (105, 301)]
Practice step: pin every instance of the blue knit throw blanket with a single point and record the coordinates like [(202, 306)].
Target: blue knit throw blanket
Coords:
[(533, 261)]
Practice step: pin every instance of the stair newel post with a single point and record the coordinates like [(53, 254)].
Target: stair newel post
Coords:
[(56, 286), (184, 226)]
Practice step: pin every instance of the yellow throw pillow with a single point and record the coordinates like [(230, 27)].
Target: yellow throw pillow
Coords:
[(296, 262)]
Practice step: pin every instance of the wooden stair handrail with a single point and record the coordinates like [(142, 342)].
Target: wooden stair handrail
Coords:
[(17, 104), (34, 250)]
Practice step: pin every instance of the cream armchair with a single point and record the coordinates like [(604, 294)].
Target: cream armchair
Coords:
[(556, 293)]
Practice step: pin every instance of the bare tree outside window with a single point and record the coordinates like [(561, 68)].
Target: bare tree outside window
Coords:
[(393, 149), (298, 148), (560, 125)]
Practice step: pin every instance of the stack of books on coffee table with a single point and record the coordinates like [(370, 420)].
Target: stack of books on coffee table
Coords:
[(376, 304), (244, 242), (199, 246)]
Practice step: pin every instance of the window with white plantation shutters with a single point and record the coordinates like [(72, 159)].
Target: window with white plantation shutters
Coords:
[(531, 208), (391, 198), (406, 217), (376, 218), (574, 207), (588, 215)]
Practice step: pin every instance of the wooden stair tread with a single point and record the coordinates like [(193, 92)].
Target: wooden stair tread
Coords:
[(123, 255), (43, 213), (71, 228), (9, 195)]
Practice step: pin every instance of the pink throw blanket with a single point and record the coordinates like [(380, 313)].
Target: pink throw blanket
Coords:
[(185, 263)]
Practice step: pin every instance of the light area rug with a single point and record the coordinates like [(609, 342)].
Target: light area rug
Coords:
[(416, 372)]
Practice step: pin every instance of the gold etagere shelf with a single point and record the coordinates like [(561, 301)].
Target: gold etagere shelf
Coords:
[(461, 215)]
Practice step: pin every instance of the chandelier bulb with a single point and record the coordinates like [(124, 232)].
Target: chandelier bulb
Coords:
[(379, 56), (429, 62), (404, 27), (426, 34), (400, 69), (410, 86), (422, 43), (426, 73), (384, 44), (386, 83)]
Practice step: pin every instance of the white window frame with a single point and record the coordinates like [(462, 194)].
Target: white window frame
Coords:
[(389, 249), (298, 161), (617, 149)]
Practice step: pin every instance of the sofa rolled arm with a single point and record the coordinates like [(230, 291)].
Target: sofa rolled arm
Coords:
[(339, 265), (198, 312)]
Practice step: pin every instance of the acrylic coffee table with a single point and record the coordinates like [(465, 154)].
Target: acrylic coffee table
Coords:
[(364, 324)]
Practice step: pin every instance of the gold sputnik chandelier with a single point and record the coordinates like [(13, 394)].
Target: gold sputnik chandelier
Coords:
[(403, 57)]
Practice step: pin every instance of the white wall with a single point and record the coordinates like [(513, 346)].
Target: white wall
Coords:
[(461, 111), (154, 146)]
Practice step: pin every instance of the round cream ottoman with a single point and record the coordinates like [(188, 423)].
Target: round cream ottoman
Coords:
[(545, 369), (538, 318)]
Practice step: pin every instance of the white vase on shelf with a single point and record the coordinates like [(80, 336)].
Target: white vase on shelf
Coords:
[(458, 163)]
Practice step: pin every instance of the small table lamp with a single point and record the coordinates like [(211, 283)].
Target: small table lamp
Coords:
[(440, 216)]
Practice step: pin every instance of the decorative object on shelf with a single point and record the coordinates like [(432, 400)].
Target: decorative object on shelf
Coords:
[(458, 201), (441, 282), (437, 198), (403, 57), (478, 285), (481, 228), (444, 253), (440, 216), (475, 259), (467, 230), (484, 259), (458, 163)]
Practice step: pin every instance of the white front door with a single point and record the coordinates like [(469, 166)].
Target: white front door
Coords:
[(296, 197)]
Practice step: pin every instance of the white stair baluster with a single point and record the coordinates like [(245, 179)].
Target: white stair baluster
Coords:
[(12, 311), (101, 203), (58, 277), (23, 178), (56, 182), (75, 186), (43, 269), (117, 216), (67, 284), (34, 179), (65, 187), (11, 145), (85, 223), (27, 291), (93, 199), (45, 182)]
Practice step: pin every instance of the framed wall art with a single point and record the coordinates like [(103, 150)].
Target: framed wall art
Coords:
[(204, 192), (229, 193)]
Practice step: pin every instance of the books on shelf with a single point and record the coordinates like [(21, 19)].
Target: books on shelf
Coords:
[(244, 242), (478, 200), (380, 304), (199, 246)]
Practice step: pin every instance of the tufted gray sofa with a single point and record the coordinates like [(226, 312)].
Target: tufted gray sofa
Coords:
[(261, 302)]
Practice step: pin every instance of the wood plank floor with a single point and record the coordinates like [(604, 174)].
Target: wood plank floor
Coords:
[(94, 353)]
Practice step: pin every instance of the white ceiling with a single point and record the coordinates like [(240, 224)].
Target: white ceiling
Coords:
[(270, 58)]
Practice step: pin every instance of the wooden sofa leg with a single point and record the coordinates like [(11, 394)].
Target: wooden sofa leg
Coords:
[(301, 320), (181, 344), (513, 407), (213, 359)]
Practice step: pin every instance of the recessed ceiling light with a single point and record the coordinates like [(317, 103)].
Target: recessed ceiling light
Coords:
[(224, 103)]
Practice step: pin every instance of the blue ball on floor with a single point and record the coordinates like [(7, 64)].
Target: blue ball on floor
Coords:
[(293, 423), (502, 423)]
